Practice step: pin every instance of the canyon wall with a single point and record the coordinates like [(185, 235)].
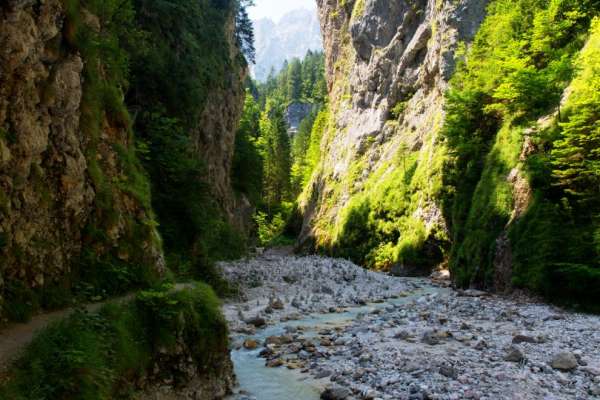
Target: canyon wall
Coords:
[(388, 67), (76, 214), (68, 167), (455, 140)]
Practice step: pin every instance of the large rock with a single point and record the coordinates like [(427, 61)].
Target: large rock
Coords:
[(336, 393), (564, 361)]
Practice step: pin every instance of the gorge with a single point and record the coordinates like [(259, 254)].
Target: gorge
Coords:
[(444, 138)]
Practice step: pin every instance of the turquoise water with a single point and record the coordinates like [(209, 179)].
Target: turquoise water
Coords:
[(264, 383)]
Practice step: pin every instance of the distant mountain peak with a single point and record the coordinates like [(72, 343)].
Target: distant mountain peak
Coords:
[(292, 36)]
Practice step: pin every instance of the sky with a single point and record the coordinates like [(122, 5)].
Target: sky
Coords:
[(275, 9)]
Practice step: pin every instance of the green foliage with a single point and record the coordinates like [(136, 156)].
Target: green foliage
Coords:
[(247, 171), (398, 110), (20, 302), (101, 354), (271, 229), (521, 61), (182, 57), (192, 222), (576, 154), (274, 146), (298, 80), (186, 43), (306, 149)]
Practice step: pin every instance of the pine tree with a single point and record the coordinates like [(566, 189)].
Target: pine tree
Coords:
[(294, 81), (245, 31)]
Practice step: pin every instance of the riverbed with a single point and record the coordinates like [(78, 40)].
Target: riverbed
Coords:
[(306, 327)]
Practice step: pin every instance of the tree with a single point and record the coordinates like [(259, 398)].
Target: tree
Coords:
[(576, 154), (244, 32), (294, 81), (275, 150), (247, 170)]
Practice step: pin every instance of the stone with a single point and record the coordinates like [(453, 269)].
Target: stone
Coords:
[(431, 338), (274, 340), (518, 339), (276, 304), (514, 354), (564, 361), (277, 362), (250, 344), (336, 393), (257, 321), (449, 371)]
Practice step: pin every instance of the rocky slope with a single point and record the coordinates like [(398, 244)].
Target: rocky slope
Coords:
[(388, 66), (75, 203)]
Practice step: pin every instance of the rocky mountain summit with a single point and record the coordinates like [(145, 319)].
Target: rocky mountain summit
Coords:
[(291, 37)]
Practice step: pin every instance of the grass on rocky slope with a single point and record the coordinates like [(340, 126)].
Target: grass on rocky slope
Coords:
[(99, 356)]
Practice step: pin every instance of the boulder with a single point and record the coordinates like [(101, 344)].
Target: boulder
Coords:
[(336, 393), (514, 354), (564, 361)]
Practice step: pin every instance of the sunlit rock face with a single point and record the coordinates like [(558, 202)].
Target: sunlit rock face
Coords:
[(388, 64)]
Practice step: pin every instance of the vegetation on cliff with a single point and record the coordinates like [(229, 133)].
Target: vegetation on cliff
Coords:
[(524, 57)]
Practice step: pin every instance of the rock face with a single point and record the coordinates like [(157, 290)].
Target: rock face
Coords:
[(295, 113), (46, 193), (66, 189), (388, 66), (214, 140)]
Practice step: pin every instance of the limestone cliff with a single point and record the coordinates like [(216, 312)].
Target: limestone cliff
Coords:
[(214, 138), (75, 202), (56, 176), (388, 66)]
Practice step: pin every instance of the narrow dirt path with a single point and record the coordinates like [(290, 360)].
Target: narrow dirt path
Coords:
[(15, 337)]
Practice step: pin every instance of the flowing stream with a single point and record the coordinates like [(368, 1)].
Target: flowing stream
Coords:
[(256, 381)]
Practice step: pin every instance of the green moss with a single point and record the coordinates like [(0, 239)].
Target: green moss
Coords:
[(20, 301), (101, 354), (490, 210), (4, 202)]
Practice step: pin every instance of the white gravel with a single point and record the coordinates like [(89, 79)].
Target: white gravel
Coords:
[(414, 340)]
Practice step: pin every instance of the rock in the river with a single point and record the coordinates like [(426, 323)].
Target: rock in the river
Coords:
[(277, 362), (250, 344), (336, 393), (276, 304), (564, 361), (431, 338), (514, 355), (256, 321), (518, 339)]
